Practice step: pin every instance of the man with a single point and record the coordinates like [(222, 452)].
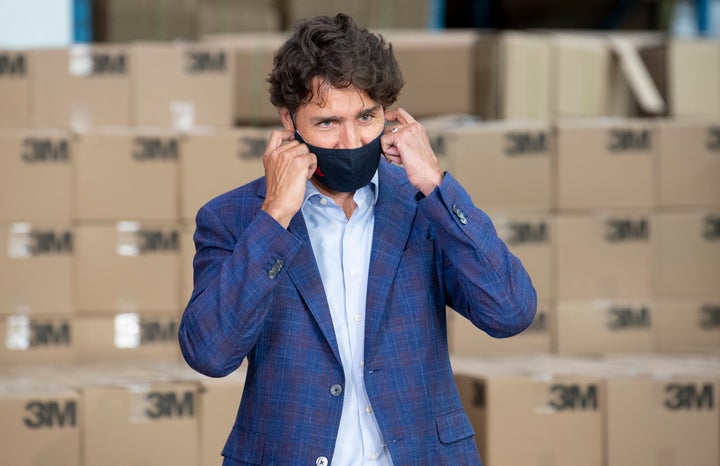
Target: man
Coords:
[(331, 274)]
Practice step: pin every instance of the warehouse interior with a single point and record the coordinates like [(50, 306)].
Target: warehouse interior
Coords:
[(588, 131)]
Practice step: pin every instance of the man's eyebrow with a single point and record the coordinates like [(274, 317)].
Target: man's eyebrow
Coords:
[(372, 109), (362, 112)]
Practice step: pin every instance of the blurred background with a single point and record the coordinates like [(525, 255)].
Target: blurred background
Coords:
[(588, 131)]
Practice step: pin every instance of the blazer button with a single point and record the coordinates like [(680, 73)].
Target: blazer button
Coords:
[(321, 461), (336, 390)]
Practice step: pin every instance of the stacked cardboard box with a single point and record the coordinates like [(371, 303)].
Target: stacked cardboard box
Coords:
[(108, 151), (612, 411), (149, 413)]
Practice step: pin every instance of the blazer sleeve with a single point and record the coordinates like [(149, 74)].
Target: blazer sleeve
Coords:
[(483, 280), (234, 273)]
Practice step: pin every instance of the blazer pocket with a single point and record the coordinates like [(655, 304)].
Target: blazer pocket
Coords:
[(454, 426), (245, 446)]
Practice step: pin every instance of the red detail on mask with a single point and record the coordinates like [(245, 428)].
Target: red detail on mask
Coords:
[(319, 172)]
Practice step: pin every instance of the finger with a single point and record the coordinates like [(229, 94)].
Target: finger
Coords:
[(278, 137), (401, 116), (312, 165)]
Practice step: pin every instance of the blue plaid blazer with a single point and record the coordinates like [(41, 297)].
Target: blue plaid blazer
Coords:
[(258, 295)]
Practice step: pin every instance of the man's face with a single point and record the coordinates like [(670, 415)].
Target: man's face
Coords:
[(337, 118)]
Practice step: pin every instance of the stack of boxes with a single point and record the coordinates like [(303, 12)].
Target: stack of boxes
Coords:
[(108, 151)]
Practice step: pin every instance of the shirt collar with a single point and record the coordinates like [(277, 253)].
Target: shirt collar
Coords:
[(311, 190)]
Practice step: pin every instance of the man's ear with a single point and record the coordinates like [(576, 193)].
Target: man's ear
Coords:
[(286, 119)]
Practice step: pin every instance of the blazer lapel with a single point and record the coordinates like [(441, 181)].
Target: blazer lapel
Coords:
[(394, 214), (306, 277)]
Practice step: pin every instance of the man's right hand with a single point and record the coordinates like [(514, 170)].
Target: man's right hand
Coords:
[(288, 165)]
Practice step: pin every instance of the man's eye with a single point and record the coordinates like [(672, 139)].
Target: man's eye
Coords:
[(325, 123), (366, 117)]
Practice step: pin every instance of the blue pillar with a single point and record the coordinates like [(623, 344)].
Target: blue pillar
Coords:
[(82, 21)]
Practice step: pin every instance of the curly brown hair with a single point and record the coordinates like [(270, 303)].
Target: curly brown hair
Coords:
[(342, 54)]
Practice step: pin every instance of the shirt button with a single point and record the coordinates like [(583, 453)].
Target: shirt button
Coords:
[(373, 457), (358, 318), (368, 409), (362, 363), (323, 201), (321, 461), (336, 389)]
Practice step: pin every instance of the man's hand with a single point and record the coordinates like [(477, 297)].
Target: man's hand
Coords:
[(288, 165), (408, 145)]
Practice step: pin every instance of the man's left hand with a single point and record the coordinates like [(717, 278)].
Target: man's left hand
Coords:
[(407, 144)]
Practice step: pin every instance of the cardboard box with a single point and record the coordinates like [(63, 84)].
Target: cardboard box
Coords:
[(227, 16), (687, 325), (558, 418), (182, 85), (605, 163), (688, 163), (428, 94), (603, 326), (657, 419), (37, 339), (435, 128), (687, 253), (15, 89), (503, 165), (128, 336), (604, 255), (694, 77), (39, 424), (36, 262), (219, 399), (141, 423), (373, 14), (217, 161), (467, 340), (525, 76), (126, 174), (127, 267), (35, 175), (528, 235), (132, 20), (81, 86)]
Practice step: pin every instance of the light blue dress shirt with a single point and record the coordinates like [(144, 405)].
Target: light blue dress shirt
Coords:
[(342, 251)]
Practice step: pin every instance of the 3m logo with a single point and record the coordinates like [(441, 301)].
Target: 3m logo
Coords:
[(618, 229), (155, 148), (437, 144), (689, 396), (158, 241), (713, 140), (710, 316), (478, 394), (572, 397), (526, 233), (251, 148), (25, 242), (50, 414), (539, 323), (36, 150), (168, 405), (12, 64), (621, 317), (627, 140), (108, 64), (47, 334), (205, 62), (158, 332), (711, 227), (525, 143)]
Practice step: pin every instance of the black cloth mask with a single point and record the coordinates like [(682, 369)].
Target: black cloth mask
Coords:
[(346, 170)]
